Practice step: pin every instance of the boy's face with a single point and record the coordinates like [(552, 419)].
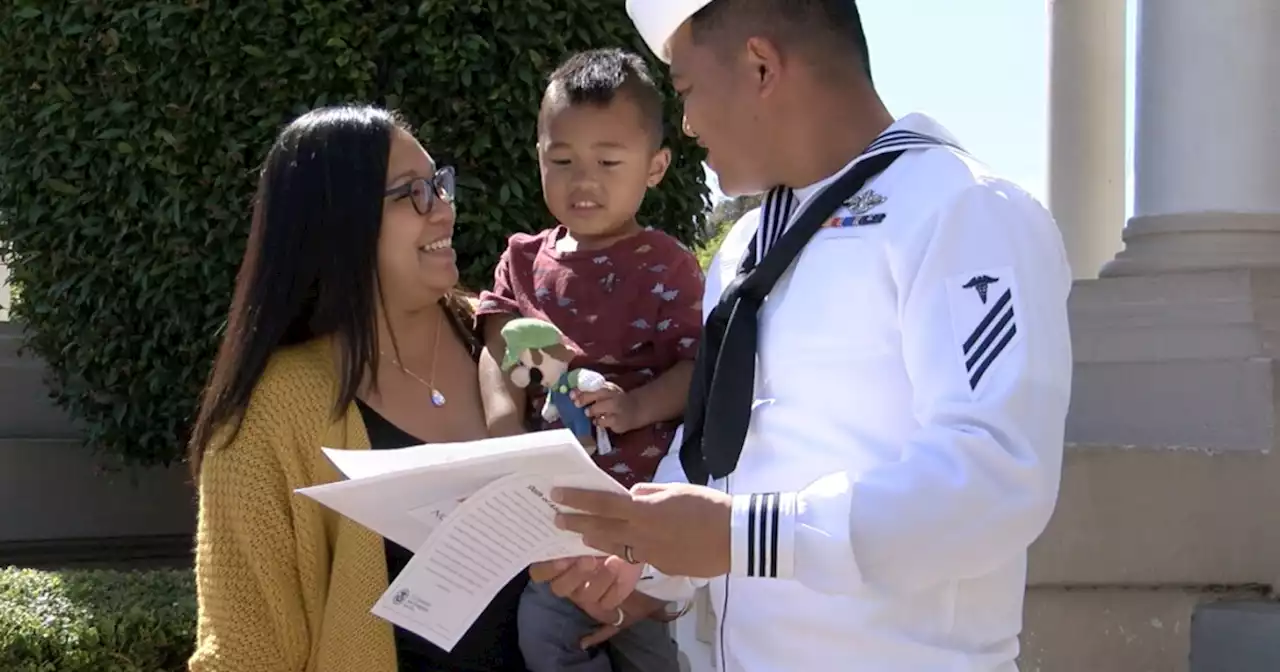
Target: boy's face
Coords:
[(597, 161)]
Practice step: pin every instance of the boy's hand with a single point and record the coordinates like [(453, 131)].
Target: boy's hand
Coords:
[(609, 407)]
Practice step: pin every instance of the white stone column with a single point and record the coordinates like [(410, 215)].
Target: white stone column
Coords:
[(1087, 129), (1207, 138), (1177, 360)]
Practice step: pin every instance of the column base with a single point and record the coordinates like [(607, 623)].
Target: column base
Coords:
[(1236, 635), (1202, 241), (1114, 629), (1177, 359), (1170, 469)]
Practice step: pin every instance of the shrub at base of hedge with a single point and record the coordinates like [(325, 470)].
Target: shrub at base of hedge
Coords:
[(96, 621)]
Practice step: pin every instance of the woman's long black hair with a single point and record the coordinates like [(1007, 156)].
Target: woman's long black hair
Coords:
[(310, 266)]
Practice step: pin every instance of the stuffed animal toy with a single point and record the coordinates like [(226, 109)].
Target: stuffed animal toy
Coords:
[(534, 345)]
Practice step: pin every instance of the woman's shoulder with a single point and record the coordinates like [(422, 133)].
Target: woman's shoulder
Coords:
[(304, 365), (298, 384), (290, 405)]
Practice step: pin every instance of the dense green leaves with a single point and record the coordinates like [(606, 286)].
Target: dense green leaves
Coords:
[(96, 621), (723, 216), (130, 133)]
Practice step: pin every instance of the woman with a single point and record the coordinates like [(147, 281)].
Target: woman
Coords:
[(345, 331)]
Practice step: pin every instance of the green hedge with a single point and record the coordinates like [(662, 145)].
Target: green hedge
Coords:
[(130, 133), (723, 216), (96, 621)]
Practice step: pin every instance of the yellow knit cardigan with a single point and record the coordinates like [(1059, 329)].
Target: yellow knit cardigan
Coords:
[(284, 584)]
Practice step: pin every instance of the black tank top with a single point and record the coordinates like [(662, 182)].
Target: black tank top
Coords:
[(491, 645)]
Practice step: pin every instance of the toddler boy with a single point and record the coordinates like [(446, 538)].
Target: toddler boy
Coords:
[(629, 301)]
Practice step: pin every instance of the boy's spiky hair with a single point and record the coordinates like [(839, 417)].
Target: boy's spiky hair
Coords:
[(597, 76)]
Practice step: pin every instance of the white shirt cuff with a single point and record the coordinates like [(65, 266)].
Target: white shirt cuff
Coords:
[(762, 535), (826, 558)]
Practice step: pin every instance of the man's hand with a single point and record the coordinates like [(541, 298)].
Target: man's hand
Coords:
[(609, 407), (681, 529), (596, 585)]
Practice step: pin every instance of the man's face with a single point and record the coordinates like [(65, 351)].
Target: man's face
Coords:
[(724, 109)]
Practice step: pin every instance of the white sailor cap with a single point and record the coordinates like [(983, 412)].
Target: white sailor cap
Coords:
[(657, 20)]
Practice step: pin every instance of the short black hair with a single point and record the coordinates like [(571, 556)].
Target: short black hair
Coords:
[(598, 76), (832, 26)]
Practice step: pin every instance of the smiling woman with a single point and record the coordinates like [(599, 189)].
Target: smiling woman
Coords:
[(346, 330)]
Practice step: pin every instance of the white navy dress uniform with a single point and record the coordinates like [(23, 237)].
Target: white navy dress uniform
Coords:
[(905, 438)]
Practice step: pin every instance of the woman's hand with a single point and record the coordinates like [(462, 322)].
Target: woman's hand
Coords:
[(595, 584), (636, 607), (609, 407), (612, 584)]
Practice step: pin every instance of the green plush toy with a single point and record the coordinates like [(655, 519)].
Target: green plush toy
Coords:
[(537, 345)]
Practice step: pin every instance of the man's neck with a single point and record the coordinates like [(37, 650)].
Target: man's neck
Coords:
[(834, 132)]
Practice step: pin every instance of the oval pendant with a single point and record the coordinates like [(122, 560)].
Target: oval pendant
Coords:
[(437, 399)]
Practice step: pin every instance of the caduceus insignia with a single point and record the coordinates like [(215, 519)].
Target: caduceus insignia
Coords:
[(980, 284)]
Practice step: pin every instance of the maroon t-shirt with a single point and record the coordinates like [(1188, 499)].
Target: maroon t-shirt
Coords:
[(631, 311)]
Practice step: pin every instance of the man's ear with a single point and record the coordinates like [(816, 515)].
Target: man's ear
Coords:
[(658, 166), (765, 60)]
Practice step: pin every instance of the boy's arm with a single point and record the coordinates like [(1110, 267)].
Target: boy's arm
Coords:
[(503, 402), (664, 397)]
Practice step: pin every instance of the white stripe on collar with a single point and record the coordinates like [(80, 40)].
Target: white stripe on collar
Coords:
[(774, 213)]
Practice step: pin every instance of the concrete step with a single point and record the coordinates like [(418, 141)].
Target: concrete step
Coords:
[(25, 408), (53, 490), (1152, 517), (1115, 630)]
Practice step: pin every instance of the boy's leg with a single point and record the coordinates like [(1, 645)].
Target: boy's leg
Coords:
[(550, 629), (646, 646)]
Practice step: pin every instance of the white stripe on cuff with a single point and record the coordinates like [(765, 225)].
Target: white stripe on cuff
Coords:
[(762, 535)]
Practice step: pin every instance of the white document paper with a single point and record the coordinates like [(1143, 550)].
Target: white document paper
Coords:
[(402, 494), (477, 514), (487, 540)]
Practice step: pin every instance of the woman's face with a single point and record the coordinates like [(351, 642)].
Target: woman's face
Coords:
[(416, 261)]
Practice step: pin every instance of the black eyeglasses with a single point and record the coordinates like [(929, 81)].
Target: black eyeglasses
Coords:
[(424, 191)]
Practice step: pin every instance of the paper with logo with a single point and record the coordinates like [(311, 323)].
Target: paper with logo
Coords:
[(485, 542), (475, 513)]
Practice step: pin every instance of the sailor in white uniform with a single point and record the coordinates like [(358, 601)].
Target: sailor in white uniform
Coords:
[(864, 498)]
